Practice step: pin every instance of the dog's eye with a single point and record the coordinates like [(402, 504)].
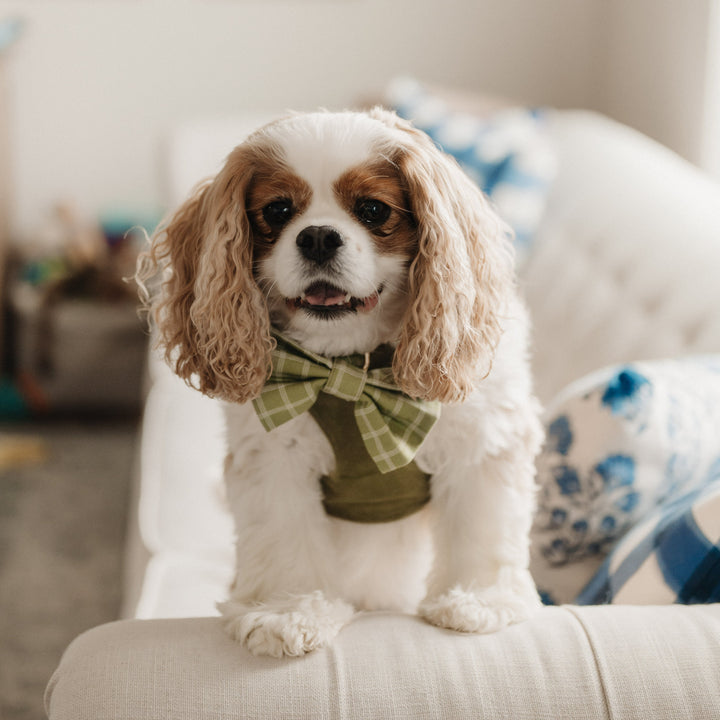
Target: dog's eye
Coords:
[(278, 213), (372, 213)]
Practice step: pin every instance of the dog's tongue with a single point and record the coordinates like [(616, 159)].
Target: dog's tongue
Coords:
[(324, 294)]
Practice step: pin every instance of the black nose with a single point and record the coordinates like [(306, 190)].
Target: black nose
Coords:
[(319, 243)]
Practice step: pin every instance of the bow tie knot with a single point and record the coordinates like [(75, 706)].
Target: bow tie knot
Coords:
[(346, 381), (392, 425)]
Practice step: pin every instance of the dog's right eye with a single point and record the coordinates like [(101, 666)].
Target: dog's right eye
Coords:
[(278, 213)]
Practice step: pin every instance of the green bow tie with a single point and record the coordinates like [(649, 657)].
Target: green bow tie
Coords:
[(392, 425)]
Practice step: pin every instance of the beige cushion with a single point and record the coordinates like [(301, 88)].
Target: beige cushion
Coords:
[(580, 663), (620, 268)]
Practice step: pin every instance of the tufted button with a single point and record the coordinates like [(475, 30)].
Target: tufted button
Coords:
[(652, 304), (692, 332)]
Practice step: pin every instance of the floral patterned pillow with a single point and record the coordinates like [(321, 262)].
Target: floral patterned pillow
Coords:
[(508, 153), (619, 443)]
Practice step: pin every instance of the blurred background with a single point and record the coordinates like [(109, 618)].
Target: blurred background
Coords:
[(94, 99)]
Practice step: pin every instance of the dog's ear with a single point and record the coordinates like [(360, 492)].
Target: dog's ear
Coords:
[(211, 317), (460, 280)]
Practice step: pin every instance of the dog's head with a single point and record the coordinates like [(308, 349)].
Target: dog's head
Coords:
[(343, 230)]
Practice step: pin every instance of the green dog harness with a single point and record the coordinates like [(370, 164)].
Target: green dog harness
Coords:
[(374, 429)]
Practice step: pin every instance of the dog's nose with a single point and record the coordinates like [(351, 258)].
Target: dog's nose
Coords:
[(318, 243)]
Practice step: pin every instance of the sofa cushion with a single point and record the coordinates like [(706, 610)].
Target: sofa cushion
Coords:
[(620, 442)]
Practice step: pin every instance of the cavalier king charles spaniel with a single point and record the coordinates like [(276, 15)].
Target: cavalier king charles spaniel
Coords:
[(341, 236)]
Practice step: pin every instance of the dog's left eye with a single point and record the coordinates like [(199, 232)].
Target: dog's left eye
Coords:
[(277, 213), (372, 213)]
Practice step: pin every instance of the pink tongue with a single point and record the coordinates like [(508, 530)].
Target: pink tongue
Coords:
[(325, 295)]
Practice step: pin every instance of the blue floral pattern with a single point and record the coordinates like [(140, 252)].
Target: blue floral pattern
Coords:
[(620, 443)]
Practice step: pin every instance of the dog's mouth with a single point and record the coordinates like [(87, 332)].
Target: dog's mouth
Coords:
[(322, 298)]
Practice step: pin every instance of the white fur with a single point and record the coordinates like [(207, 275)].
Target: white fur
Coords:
[(461, 561)]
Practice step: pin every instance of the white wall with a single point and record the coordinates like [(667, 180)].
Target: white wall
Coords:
[(652, 68), (97, 84), (710, 146)]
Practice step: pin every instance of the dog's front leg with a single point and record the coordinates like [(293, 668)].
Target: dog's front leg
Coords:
[(285, 599), (482, 513)]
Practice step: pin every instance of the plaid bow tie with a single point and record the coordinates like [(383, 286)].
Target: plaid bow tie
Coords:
[(392, 425)]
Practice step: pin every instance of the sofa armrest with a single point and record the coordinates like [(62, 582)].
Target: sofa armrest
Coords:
[(568, 662)]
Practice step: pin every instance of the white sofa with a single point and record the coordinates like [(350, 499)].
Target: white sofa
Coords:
[(624, 267)]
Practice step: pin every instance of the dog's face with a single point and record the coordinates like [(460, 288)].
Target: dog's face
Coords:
[(333, 233), (343, 230)]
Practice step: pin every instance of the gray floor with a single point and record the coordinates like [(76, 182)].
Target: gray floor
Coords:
[(62, 523)]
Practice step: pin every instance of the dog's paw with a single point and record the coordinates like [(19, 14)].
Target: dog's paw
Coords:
[(482, 611), (291, 627)]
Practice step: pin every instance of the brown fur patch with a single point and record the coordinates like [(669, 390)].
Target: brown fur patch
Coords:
[(273, 180), (381, 180)]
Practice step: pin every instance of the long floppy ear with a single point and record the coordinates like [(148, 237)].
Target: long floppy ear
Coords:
[(460, 280), (211, 317)]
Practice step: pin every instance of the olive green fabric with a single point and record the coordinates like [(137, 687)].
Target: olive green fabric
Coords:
[(356, 490), (391, 424)]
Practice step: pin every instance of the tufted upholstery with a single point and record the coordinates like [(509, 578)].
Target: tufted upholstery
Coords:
[(626, 264)]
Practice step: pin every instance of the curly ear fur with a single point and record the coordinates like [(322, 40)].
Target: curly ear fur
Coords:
[(460, 280), (211, 317)]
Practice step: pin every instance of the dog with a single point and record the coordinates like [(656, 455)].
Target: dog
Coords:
[(349, 240)]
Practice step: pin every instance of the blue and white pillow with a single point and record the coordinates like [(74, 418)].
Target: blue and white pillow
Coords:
[(620, 442), (508, 154), (672, 557)]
